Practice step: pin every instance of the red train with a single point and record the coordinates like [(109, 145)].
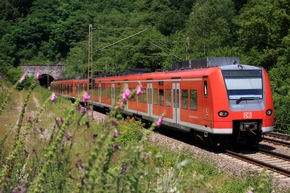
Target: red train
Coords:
[(220, 101)]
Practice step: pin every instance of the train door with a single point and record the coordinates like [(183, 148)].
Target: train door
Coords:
[(205, 110), (100, 93), (176, 102), (149, 87), (113, 94)]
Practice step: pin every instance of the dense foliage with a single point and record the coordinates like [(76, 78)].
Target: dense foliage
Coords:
[(49, 31)]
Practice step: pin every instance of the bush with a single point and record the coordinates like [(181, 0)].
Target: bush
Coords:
[(130, 132)]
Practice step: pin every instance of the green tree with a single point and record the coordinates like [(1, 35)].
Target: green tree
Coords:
[(210, 27), (13, 9), (280, 83), (261, 28), (77, 61)]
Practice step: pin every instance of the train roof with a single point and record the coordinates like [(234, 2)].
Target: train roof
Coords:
[(205, 63), (187, 69), (240, 67)]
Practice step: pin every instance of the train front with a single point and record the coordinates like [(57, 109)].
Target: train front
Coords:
[(250, 102)]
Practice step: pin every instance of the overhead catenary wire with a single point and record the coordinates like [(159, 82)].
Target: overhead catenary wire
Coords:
[(120, 40)]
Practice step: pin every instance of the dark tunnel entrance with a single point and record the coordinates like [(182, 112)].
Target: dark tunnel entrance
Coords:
[(45, 80)]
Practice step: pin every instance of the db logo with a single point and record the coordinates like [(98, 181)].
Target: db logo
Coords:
[(247, 115)]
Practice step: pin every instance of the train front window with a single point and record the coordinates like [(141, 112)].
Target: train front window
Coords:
[(244, 86)]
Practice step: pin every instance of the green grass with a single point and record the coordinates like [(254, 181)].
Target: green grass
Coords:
[(66, 151)]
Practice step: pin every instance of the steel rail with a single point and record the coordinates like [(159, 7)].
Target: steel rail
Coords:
[(260, 163)]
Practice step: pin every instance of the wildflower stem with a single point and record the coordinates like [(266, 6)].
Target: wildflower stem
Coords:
[(19, 141), (52, 149), (19, 122), (99, 151)]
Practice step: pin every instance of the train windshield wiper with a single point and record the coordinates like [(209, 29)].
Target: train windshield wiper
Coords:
[(246, 98)]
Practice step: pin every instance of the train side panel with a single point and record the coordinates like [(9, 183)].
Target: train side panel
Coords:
[(268, 121), (216, 100), (233, 101)]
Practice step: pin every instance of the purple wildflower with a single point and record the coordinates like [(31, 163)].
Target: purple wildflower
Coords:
[(90, 107), (83, 181), (41, 129), (29, 119), (126, 95), (38, 75), (81, 109), (116, 134), (34, 150), (159, 122), (22, 78), (139, 90), (116, 146), (68, 137), (53, 97), (114, 123), (86, 97)]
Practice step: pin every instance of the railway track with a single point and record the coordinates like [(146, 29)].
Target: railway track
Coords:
[(270, 160), (277, 138), (273, 161)]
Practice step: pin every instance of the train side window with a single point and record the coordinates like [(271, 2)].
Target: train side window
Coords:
[(193, 100), (161, 97), (168, 97), (140, 98), (184, 98), (103, 92), (205, 89), (132, 97), (144, 95), (109, 92), (155, 96)]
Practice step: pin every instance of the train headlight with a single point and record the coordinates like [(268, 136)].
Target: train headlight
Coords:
[(269, 112), (223, 113)]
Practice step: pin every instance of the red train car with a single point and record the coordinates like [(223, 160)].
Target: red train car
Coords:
[(218, 102)]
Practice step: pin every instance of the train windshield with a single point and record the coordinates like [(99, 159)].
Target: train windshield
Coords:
[(243, 84)]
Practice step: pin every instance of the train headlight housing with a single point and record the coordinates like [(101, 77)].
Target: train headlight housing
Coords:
[(223, 113), (269, 112)]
